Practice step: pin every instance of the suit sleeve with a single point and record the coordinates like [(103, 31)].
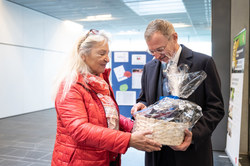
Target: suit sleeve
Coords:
[(213, 110), (72, 113)]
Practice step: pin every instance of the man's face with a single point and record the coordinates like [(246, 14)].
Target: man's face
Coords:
[(161, 47)]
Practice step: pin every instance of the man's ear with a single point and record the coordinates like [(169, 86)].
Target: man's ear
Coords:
[(175, 36)]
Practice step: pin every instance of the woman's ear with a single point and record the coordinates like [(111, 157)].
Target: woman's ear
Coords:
[(83, 57)]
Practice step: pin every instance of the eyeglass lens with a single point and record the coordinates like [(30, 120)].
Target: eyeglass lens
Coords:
[(158, 50)]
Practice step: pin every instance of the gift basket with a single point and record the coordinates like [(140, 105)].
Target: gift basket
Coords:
[(170, 116)]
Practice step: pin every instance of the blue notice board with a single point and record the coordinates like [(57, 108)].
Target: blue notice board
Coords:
[(132, 63)]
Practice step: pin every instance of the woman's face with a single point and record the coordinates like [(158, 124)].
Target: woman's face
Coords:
[(98, 58)]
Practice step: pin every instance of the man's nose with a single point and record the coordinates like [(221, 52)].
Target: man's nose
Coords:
[(156, 55)]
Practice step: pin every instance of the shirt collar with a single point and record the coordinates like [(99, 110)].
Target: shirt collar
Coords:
[(175, 59), (177, 55)]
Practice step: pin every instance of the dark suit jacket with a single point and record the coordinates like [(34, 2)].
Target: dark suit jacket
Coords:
[(207, 95)]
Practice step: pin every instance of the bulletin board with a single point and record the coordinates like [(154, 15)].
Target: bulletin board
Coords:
[(127, 68)]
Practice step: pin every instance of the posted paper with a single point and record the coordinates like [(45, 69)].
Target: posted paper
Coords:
[(126, 97), (120, 56), (138, 59), (119, 73), (136, 78)]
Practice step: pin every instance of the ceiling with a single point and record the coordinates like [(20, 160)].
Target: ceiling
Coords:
[(127, 23)]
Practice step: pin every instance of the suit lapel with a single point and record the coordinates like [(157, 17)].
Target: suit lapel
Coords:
[(154, 90), (186, 56)]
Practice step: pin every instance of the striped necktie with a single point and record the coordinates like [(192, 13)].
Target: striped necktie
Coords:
[(164, 81)]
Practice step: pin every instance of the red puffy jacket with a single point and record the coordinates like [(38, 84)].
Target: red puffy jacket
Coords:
[(83, 138)]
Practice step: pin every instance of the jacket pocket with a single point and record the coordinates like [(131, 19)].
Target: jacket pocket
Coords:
[(71, 159)]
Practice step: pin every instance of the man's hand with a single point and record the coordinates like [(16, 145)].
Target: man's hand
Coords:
[(187, 141), (137, 107)]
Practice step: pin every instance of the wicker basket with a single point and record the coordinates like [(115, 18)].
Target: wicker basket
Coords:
[(166, 133)]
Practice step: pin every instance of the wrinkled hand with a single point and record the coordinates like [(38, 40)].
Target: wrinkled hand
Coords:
[(187, 141), (137, 107), (139, 141)]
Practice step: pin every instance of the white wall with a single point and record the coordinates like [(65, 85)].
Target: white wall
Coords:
[(32, 46)]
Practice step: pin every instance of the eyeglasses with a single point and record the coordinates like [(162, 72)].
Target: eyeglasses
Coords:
[(159, 50), (91, 31)]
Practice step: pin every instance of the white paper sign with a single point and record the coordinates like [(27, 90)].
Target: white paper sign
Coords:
[(136, 78), (119, 73), (138, 59), (234, 117), (126, 97), (120, 56)]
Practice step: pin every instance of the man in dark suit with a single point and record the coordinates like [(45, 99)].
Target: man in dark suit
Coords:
[(196, 149)]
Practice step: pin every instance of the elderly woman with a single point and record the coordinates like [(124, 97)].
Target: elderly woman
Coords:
[(90, 130)]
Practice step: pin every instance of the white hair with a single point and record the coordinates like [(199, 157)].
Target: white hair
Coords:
[(75, 64)]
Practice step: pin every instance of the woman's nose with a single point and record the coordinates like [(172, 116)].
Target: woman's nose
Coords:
[(106, 58)]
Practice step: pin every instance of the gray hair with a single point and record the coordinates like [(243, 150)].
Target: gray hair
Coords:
[(159, 25), (75, 64), (84, 48)]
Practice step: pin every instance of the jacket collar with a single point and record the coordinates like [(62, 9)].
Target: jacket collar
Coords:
[(186, 56)]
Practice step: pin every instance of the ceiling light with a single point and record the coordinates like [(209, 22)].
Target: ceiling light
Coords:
[(133, 32), (104, 17), (156, 7), (181, 25)]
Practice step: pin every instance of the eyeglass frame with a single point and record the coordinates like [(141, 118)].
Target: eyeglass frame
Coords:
[(93, 31), (152, 52)]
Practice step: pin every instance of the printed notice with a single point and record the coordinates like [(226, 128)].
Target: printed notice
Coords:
[(136, 78), (120, 56), (119, 73), (126, 97), (138, 59)]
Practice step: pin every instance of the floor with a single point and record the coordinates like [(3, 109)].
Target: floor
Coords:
[(27, 140)]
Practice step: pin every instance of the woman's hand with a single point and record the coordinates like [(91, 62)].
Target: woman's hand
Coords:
[(137, 107), (139, 141)]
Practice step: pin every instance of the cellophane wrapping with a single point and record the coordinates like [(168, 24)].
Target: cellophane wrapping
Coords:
[(170, 116)]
